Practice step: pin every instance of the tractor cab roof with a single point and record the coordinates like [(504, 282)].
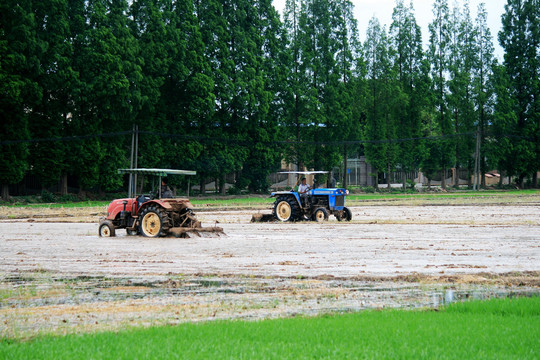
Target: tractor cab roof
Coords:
[(157, 172), (304, 172)]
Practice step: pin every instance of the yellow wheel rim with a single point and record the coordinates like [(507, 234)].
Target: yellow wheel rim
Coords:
[(105, 231), (319, 216), (151, 224), (283, 211)]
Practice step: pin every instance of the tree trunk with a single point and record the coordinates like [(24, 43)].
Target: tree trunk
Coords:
[(388, 177), (5, 192), (222, 187), (203, 187), (63, 185), (404, 179), (521, 181), (443, 181), (535, 179), (376, 178)]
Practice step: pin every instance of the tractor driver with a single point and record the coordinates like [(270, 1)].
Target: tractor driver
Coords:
[(302, 190), (166, 191)]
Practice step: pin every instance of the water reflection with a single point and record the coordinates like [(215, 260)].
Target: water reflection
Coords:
[(308, 295)]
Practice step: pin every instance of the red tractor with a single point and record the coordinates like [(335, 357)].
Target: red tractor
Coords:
[(153, 216)]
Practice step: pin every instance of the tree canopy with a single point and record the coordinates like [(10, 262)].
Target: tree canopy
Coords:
[(230, 89)]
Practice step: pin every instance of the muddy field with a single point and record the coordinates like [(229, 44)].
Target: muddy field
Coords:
[(58, 276)]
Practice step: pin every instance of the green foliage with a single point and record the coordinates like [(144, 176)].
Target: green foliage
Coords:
[(518, 113), (322, 49), (47, 197), (19, 90), (225, 87), (382, 100), (491, 329), (408, 57)]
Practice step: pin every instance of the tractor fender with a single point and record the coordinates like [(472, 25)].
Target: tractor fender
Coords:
[(160, 203), (288, 194)]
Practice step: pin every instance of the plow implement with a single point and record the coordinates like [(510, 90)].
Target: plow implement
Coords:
[(263, 217), (181, 232)]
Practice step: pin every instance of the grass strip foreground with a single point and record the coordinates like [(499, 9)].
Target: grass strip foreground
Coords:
[(498, 328)]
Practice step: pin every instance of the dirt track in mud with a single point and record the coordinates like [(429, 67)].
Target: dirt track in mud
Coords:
[(58, 276)]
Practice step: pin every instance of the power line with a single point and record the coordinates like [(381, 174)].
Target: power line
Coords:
[(247, 142), (65, 138)]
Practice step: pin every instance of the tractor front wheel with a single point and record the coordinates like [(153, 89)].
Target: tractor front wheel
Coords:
[(153, 221), (344, 214), (320, 215), (107, 229), (285, 210), (348, 214)]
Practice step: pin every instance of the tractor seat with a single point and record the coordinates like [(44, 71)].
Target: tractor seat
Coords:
[(142, 199)]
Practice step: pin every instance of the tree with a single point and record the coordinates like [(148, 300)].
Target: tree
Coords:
[(482, 81), (463, 58), (295, 93), (108, 96), (152, 26), (341, 109), (441, 151), (406, 43), (212, 25), (56, 78), (520, 38), (506, 147), (266, 104), (380, 127), (323, 46), (20, 92)]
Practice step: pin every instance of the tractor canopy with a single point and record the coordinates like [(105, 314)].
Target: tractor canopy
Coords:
[(154, 172), (300, 174)]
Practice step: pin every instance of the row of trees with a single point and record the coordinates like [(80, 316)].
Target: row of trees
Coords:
[(226, 86)]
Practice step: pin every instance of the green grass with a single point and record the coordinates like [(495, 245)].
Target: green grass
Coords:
[(448, 195), (496, 329), (69, 204)]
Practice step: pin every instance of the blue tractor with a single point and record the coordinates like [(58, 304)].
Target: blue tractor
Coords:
[(316, 204)]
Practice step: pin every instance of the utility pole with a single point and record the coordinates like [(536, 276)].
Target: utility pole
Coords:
[(133, 163), (136, 156), (476, 185), (345, 166)]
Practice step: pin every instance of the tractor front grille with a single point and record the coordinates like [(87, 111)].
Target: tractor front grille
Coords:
[(340, 200)]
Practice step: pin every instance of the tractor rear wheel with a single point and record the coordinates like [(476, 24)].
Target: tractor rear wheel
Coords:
[(106, 229), (154, 222), (320, 215), (285, 209)]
